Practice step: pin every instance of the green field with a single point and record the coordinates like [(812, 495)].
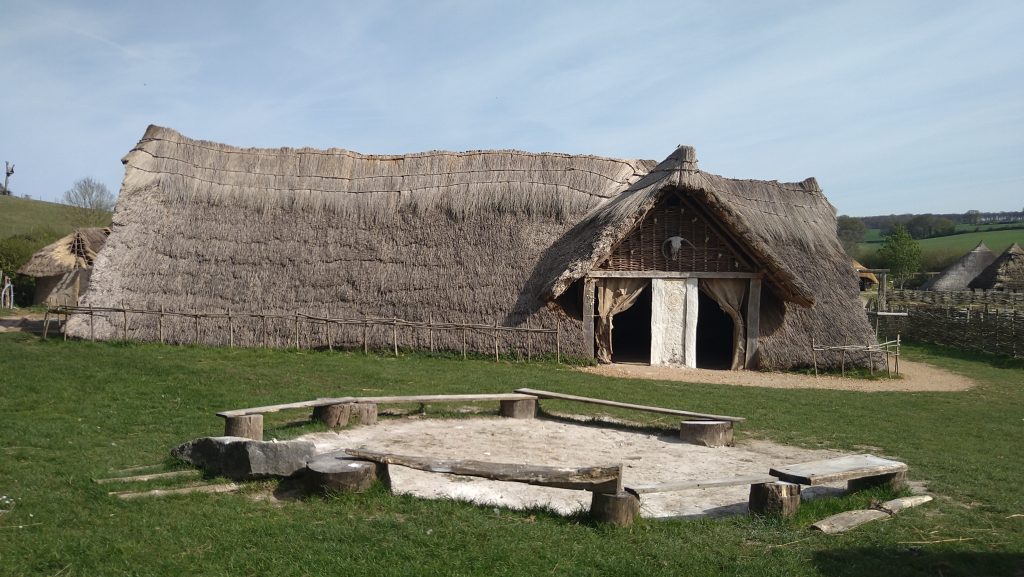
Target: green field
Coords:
[(71, 412), (20, 215), (938, 253)]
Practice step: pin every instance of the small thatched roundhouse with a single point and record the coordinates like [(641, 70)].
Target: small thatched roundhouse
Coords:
[(867, 278), (694, 268), (62, 269), (1006, 273), (959, 275)]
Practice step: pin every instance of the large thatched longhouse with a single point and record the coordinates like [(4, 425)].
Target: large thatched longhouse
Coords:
[(695, 268)]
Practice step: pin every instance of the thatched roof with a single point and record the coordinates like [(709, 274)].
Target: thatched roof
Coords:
[(75, 251), (480, 237), (788, 228), (452, 236), (959, 275), (1005, 273), (862, 273)]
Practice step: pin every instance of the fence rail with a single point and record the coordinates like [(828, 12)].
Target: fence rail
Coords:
[(317, 333)]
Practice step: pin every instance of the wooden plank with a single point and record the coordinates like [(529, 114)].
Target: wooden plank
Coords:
[(839, 469), (606, 479), (649, 409), (753, 327), (225, 488), (700, 484), (150, 477), (842, 522), (664, 274), (379, 401)]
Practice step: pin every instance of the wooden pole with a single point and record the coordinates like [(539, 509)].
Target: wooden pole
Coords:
[(160, 324), (495, 341), (430, 330), (365, 345), (897, 362), (92, 327), (296, 331), (197, 328), (263, 329), (814, 355), (529, 341), (124, 311), (330, 343), (463, 342), (871, 359), (46, 322), (558, 339), (846, 343), (65, 331), (394, 334), (231, 332)]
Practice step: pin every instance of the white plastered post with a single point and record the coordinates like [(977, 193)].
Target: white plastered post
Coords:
[(690, 328)]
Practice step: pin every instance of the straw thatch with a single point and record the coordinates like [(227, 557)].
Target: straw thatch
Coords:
[(1005, 273), (789, 229), (959, 275), (477, 237), (75, 251), (866, 277)]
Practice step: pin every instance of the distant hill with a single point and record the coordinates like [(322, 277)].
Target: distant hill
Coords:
[(22, 216), (939, 252)]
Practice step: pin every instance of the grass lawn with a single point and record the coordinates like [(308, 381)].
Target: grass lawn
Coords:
[(21, 215), (73, 411)]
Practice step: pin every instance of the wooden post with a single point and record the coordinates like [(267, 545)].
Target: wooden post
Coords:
[(248, 426), (846, 343), (779, 498), (529, 341), (814, 355), (365, 346), (46, 322), (589, 290), (394, 334), (327, 322), (495, 341), (197, 328), (558, 339), (263, 329), (124, 311), (430, 330), (753, 321), (65, 328), (463, 342), (296, 331), (619, 509), (231, 332), (160, 324), (871, 359), (92, 328), (333, 416), (524, 409), (707, 433)]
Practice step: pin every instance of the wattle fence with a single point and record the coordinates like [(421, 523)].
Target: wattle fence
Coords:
[(995, 331)]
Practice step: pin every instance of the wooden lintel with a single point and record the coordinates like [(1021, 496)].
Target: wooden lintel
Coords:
[(667, 274), (564, 397), (607, 479)]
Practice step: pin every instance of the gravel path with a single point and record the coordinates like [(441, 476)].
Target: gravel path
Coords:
[(915, 377)]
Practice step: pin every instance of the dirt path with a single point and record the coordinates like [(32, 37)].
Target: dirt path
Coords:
[(915, 377)]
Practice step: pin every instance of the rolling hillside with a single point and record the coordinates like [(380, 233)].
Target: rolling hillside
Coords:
[(21, 216)]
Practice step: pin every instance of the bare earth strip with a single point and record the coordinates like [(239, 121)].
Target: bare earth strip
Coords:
[(916, 377)]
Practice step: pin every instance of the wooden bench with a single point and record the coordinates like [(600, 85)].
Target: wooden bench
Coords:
[(609, 502), (336, 411), (767, 494), (860, 471), (699, 429)]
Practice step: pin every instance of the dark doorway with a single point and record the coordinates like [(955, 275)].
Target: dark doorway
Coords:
[(714, 335), (631, 331)]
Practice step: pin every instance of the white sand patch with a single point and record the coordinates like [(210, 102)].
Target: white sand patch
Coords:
[(647, 459)]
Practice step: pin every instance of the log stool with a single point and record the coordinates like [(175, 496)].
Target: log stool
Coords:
[(706, 433)]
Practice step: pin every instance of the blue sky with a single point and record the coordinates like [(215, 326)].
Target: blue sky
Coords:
[(893, 106)]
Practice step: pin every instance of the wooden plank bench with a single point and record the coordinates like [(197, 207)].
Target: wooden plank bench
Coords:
[(700, 428), (691, 484), (609, 502), (336, 411), (767, 494), (860, 471)]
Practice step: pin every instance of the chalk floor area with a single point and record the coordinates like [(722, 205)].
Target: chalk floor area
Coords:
[(647, 459)]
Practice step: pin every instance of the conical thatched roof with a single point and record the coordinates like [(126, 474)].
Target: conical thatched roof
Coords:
[(477, 237), (1005, 273), (959, 275), (789, 228), (75, 251)]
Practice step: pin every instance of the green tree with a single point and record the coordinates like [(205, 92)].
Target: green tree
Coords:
[(851, 231), (972, 217), (901, 255)]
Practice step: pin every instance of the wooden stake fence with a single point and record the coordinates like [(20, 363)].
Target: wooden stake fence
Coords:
[(325, 338)]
